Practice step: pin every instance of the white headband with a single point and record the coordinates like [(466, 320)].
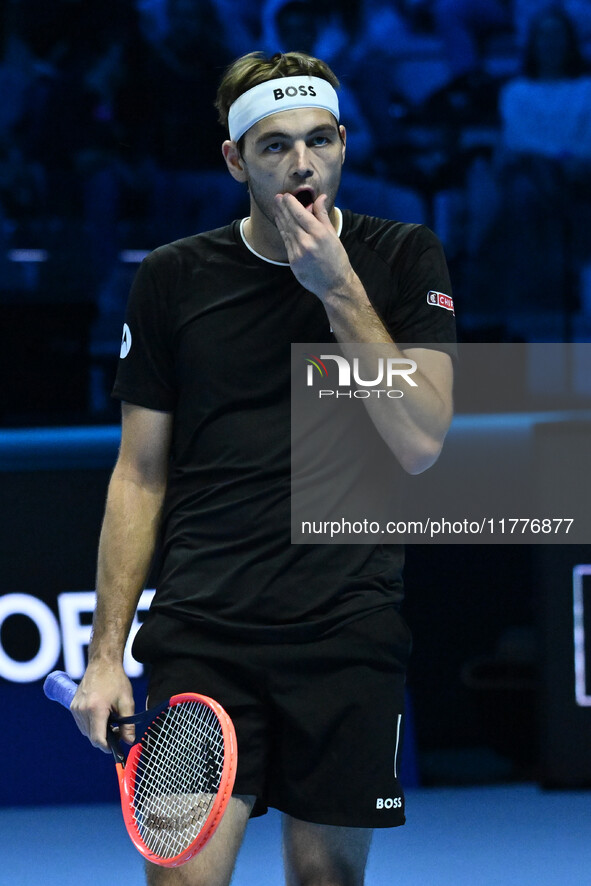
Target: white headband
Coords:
[(281, 94)]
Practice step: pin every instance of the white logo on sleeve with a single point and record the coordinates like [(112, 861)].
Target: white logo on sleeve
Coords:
[(125, 342)]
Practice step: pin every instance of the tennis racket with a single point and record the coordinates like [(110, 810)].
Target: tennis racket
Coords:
[(178, 777)]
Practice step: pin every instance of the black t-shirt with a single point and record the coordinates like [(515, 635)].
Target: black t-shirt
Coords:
[(211, 326)]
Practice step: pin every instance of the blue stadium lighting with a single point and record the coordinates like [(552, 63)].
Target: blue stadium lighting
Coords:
[(28, 256)]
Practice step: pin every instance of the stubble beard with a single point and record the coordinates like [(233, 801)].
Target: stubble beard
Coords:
[(269, 215)]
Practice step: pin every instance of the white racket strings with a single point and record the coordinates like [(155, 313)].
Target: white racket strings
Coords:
[(178, 774)]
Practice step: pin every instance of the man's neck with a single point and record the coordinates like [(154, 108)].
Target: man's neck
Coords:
[(264, 238)]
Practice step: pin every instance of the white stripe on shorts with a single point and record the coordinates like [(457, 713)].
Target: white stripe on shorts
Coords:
[(398, 722)]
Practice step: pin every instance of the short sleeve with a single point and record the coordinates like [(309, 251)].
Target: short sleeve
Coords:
[(145, 373), (423, 310)]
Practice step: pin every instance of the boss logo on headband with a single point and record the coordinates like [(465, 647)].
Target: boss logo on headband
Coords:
[(292, 91)]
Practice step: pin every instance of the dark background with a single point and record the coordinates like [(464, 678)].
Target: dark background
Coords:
[(109, 147)]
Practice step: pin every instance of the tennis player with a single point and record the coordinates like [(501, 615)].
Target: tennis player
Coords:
[(303, 645)]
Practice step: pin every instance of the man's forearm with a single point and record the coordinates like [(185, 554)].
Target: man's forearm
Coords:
[(126, 548), (415, 425)]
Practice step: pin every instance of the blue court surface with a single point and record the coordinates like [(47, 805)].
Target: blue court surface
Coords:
[(515, 835)]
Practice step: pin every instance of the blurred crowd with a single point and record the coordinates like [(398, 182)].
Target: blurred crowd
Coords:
[(472, 116)]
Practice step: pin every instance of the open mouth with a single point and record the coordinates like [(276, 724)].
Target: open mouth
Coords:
[(306, 198)]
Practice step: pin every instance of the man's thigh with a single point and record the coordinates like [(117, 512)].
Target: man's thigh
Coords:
[(316, 853), (338, 716), (213, 866)]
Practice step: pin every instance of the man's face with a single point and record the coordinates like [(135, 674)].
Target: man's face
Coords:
[(299, 152)]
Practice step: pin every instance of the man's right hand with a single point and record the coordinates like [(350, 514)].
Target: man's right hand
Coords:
[(104, 690)]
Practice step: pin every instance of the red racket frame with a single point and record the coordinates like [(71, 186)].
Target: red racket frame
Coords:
[(126, 774)]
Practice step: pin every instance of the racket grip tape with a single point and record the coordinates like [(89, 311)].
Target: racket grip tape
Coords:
[(58, 687)]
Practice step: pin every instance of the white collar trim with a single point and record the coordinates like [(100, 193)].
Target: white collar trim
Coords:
[(282, 264)]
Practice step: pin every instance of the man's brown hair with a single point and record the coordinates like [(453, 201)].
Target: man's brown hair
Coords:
[(256, 67)]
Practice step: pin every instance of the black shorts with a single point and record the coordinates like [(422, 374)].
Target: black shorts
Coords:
[(319, 724)]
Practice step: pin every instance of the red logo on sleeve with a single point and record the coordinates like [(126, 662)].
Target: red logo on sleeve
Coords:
[(440, 300)]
